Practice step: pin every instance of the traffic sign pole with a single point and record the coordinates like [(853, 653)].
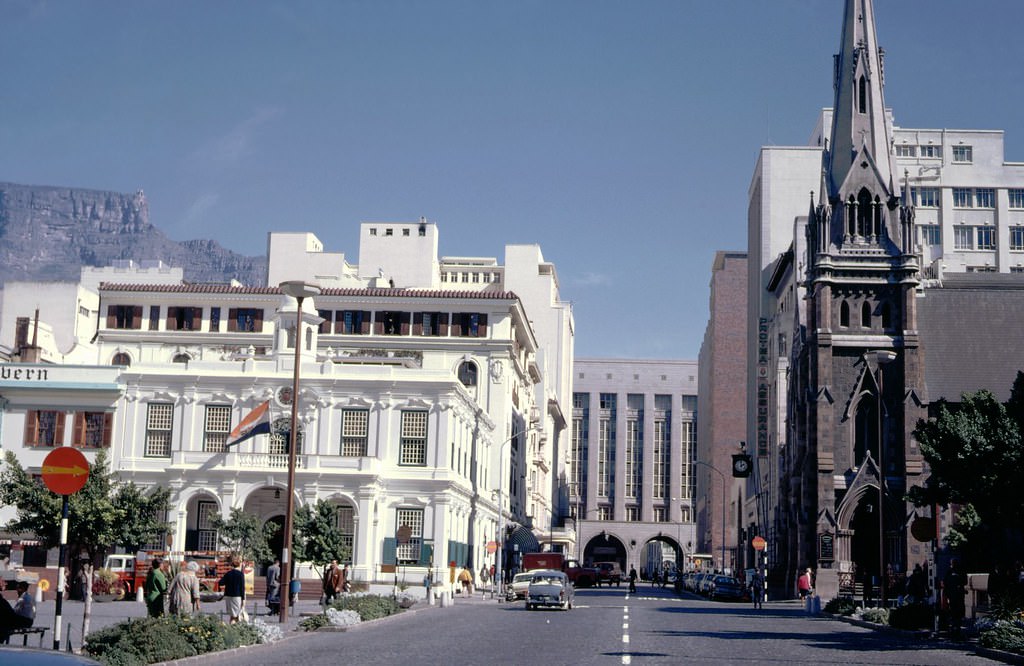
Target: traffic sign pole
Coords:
[(65, 472), (60, 573)]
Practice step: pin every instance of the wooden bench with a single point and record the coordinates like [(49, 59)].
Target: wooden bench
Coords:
[(24, 632)]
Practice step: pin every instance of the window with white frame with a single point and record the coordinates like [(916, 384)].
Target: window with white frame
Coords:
[(604, 460), (660, 452), (926, 197), (158, 429), (660, 514), (409, 553), (578, 455), (206, 536), (930, 234), (217, 427), (931, 150), (963, 154), (686, 456), (1017, 238), (1016, 198), (963, 237), (985, 197), (354, 432), (632, 513), (986, 238), (414, 438), (604, 513), (905, 150), (963, 197)]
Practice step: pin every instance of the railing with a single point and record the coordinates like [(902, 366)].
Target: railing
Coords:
[(269, 460)]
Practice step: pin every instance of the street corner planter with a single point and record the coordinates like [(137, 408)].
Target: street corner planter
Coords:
[(210, 597), (406, 602), (103, 598)]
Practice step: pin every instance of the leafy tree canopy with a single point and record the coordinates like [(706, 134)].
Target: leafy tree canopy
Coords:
[(103, 514), (245, 534), (316, 537)]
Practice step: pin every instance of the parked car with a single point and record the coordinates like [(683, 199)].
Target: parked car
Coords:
[(517, 590), (549, 588), (704, 583), (726, 587), (608, 572)]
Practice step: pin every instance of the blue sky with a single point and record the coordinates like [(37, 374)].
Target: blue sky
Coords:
[(619, 136)]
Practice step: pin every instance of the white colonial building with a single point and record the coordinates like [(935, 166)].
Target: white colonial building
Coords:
[(426, 400)]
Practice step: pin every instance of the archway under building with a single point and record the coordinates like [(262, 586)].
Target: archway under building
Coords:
[(864, 546), (605, 547), (662, 554)]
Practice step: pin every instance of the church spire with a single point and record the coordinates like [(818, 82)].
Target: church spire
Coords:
[(860, 128)]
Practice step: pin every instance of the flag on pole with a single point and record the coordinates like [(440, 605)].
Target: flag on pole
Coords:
[(256, 423)]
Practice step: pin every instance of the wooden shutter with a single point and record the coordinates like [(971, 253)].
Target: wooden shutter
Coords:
[(154, 317), (257, 322), (78, 435), (172, 319), (404, 327), (232, 319), (137, 317), (378, 325), (32, 427), (108, 429), (326, 324), (111, 316), (364, 327), (457, 318), (197, 319), (482, 329), (442, 324), (58, 429), (417, 323), (389, 556), (426, 553)]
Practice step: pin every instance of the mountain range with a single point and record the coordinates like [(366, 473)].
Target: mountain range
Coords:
[(48, 233)]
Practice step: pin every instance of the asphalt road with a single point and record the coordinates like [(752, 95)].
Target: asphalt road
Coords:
[(608, 626)]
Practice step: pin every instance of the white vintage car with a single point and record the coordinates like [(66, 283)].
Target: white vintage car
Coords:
[(549, 588)]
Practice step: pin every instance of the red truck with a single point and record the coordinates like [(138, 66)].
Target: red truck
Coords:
[(580, 576)]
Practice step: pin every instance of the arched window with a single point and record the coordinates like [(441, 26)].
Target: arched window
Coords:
[(121, 358), (865, 221), (865, 437), (865, 315), (309, 338), (468, 373), (181, 358), (862, 95), (844, 314)]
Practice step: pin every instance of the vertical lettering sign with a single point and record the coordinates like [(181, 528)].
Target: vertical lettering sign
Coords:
[(763, 388)]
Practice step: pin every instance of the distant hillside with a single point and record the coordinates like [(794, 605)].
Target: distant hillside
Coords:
[(49, 233)]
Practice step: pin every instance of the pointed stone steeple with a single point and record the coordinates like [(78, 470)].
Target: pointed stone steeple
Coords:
[(860, 128)]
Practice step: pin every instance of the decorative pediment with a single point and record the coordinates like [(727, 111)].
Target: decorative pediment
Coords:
[(864, 173), (858, 391), (823, 394), (825, 517)]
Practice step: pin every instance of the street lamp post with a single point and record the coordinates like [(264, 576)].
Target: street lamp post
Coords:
[(721, 476), (299, 290), (499, 573), (882, 357)]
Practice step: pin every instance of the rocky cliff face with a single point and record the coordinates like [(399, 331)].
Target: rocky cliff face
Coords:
[(49, 233)]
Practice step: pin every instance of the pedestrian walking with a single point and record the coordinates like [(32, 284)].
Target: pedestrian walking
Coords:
[(184, 590), (953, 590), (233, 584), (155, 589), (332, 582), (757, 589), (632, 579), (805, 583), (274, 587)]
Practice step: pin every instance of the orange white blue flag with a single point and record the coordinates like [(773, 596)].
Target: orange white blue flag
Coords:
[(257, 422)]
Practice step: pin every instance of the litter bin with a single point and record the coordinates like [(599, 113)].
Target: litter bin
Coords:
[(294, 587), (813, 604)]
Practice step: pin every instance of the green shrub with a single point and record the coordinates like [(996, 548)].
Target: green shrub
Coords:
[(314, 622), (151, 640), (912, 616), (876, 615), (1007, 606), (841, 606), (1008, 636), (369, 607)]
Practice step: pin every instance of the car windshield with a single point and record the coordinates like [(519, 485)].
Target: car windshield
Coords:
[(547, 580), (522, 578)]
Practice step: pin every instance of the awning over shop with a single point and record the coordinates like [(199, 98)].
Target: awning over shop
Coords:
[(523, 537)]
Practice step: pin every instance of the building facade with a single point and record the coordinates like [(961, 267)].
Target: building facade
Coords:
[(631, 481), (418, 405)]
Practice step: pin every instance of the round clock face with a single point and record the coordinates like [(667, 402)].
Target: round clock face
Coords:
[(284, 395), (741, 465)]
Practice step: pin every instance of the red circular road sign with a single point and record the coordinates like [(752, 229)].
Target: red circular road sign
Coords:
[(492, 547), (65, 470), (758, 543)]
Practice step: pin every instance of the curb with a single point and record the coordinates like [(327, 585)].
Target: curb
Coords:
[(924, 634)]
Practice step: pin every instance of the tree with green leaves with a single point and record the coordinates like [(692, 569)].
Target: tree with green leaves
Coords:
[(316, 537), (245, 534), (975, 452), (104, 513)]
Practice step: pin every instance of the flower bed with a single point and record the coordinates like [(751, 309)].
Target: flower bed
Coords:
[(150, 640), (354, 608)]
